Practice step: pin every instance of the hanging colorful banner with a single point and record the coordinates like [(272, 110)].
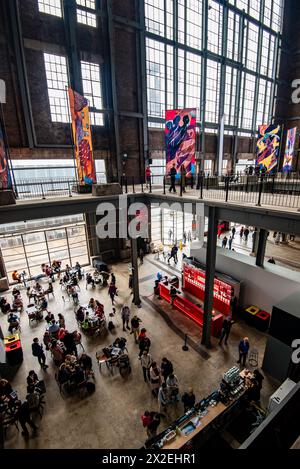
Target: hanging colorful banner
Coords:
[(268, 146), (5, 177), (180, 136), (289, 150), (82, 138)]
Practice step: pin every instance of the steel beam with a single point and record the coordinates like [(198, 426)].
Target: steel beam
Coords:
[(70, 21), (135, 272), (211, 253)]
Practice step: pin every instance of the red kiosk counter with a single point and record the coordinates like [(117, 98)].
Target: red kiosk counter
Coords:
[(225, 287), (191, 310)]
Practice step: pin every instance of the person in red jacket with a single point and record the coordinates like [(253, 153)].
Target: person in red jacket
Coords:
[(147, 176)]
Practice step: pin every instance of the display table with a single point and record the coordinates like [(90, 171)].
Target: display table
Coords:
[(191, 310)]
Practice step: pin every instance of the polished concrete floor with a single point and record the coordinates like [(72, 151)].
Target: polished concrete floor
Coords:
[(110, 418)]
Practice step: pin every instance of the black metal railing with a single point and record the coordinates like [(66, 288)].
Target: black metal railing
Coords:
[(276, 190)]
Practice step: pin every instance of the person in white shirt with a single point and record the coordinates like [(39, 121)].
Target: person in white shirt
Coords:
[(146, 361)]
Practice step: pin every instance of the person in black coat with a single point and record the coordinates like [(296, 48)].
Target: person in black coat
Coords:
[(188, 400), (226, 328), (173, 173), (70, 345), (23, 415), (166, 368)]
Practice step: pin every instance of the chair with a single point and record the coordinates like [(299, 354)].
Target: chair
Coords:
[(253, 357), (101, 359), (65, 300)]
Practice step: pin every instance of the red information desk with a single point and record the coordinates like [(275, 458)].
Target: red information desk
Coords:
[(191, 310), (193, 281)]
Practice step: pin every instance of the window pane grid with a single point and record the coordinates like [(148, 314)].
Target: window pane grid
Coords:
[(57, 82), (214, 26), (51, 7), (87, 18), (156, 78), (212, 92)]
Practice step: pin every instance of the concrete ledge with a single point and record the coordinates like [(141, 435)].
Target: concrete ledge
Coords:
[(106, 189), (7, 197), (4, 285)]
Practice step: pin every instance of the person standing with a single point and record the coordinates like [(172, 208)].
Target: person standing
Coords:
[(125, 315), (189, 236), (243, 351), (166, 368), (173, 173), (37, 351), (146, 361), (233, 232), (135, 327), (226, 328), (155, 380), (184, 237), (141, 256), (188, 399), (163, 398), (241, 232), (224, 242), (148, 176), (230, 242), (130, 283), (183, 177), (112, 292), (170, 233), (173, 386), (173, 254)]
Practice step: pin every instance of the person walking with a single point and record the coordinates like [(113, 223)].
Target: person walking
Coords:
[(170, 234), (183, 177), (146, 362), (112, 292), (188, 400), (166, 368), (173, 254), (243, 351), (23, 415), (135, 327), (143, 341), (242, 232), (233, 232), (230, 242), (246, 234), (125, 315), (224, 242), (113, 279), (37, 351), (173, 173), (184, 237), (226, 328), (130, 283), (155, 379)]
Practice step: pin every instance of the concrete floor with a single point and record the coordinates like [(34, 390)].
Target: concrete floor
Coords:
[(110, 418)]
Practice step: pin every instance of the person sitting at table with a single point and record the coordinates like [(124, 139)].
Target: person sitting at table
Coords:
[(63, 375), (77, 267), (68, 268), (166, 280), (17, 303), (4, 306), (29, 293), (61, 321), (92, 304), (32, 378), (61, 334), (43, 305), (90, 280), (173, 293), (13, 321), (56, 266), (78, 375), (16, 277), (58, 351), (5, 389), (99, 311), (49, 317), (49, 289), (16, 291), (69, 343), (86, 323), (86, 364), (80, 314), (53, 328), (38, 287)]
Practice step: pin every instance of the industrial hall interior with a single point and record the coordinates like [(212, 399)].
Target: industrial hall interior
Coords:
[(149, 224)]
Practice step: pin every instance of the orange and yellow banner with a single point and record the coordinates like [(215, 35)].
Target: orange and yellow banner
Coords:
[(82, 138)]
